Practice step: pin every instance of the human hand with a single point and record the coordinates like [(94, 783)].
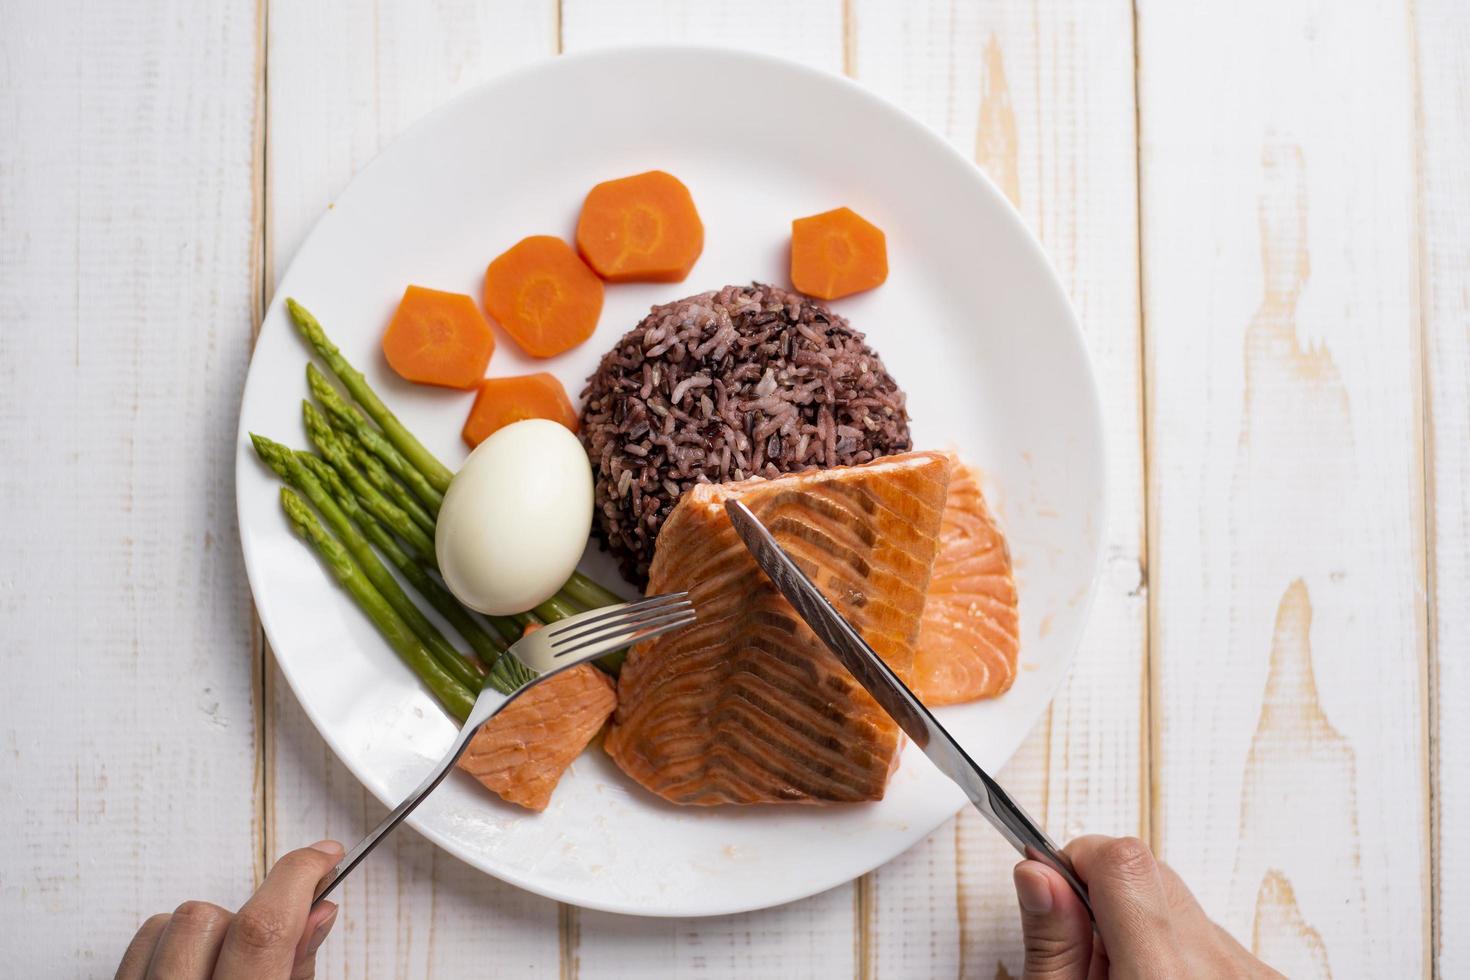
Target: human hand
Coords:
[(1148, 922), (274, 936)]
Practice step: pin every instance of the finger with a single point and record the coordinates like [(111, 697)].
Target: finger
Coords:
[(134, 965), (1181, 900), (1054, 925), (1127, 892), (317, 926), (263, 938), (190, 943)]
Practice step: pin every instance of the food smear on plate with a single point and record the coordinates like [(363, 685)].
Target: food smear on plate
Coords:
[(643, 228), (971, 631), (504, 401), (837, 253), (521, 754), (515, 520), (543, 295), (743, 381), (438, 338)]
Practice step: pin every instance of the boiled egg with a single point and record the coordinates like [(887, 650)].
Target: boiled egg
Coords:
[(515, 519)]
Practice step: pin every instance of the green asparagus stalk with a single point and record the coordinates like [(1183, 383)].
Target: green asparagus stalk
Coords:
[(377, 474), (421, 546), (587, 593), (347, 416), (486, 646), (424, 461), (327, 440), (556, 608), (284, 462), (454, 695)]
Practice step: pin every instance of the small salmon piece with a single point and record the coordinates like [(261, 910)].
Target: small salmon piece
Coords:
[(971, 632), (521, 753), (747, 705)]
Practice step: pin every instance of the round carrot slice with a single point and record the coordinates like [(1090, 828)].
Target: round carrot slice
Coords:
[(642, 228), (837, 253), (543, 295), (502, 401), (438, 338)]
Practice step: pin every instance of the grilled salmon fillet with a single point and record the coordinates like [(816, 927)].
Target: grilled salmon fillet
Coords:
[(747, 705), (521, 753), (971, 631)]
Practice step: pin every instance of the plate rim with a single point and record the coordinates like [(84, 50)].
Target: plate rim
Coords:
[(808, 74)]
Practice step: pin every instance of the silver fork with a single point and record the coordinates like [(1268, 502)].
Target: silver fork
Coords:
[(530, 660)]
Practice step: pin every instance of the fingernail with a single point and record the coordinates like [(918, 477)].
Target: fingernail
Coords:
[(328, 847), (320, 935), (1033, 891)]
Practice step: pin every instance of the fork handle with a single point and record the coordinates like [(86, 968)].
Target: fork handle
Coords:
[(487, 706)]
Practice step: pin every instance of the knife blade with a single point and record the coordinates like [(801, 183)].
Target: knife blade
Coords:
[(894, 697)]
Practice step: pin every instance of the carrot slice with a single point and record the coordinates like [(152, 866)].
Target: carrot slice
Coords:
[(502, 401), (642, 228), (837, 253), (438, 338), (543, 295)]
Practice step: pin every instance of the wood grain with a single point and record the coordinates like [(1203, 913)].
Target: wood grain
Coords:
[(345, 78), (1442, 39), (1041, 93), (1285, 473), (125, 254)]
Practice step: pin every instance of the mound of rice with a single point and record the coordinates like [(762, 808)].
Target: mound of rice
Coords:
[(750, 380)]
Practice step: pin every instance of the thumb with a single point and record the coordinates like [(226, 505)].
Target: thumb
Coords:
[(1055, 926)]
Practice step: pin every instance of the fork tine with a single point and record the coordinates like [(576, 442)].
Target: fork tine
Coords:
[(559, 631), (578, 628), (620, 627), (647, 630)]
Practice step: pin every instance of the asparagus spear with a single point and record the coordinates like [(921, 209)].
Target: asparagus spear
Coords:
[(289, 468), (424, 461), (379, 506), (377, 474), (348, 417), (556, 608), (486, 646), (585, 592), (455, 697)]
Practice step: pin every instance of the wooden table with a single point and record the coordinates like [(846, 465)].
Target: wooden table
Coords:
[(1261, 210)]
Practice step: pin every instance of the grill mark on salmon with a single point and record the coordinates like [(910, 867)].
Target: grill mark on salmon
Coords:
[(747, 706), (971, 634), (521, 753)]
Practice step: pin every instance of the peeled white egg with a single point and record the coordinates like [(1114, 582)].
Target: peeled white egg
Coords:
[(515, 519)]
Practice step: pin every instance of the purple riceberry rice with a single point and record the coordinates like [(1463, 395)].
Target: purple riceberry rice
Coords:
[(745, 381)]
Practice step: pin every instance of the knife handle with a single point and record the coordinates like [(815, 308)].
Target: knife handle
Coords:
[(1026, 835)]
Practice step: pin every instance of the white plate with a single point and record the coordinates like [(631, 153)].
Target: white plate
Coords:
[(972, 322)]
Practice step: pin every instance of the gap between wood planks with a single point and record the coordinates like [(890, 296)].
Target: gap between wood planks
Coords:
[(1146, 748), (1429, 693), (260, 278)]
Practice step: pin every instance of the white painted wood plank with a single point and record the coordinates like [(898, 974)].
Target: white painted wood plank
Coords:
[(1286, 475), (807, 32), (129, 735), (816, 937), (1443, 39), (1041, 94), (345, 78)]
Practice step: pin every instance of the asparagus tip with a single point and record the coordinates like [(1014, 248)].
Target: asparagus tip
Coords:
[(267, 449), (296, 510), (309, 325), (313, 416)]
